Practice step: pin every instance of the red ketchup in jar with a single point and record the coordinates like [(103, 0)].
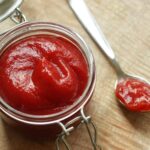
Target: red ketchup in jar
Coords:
[(134, 94), (42, 74)]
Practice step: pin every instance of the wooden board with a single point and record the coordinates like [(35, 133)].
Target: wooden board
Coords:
[(126, 24)]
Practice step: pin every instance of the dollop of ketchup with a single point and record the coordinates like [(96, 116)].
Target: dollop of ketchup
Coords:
[(42, 74), (134, 94)]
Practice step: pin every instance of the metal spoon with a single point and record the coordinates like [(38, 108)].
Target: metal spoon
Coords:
[(82, 12)]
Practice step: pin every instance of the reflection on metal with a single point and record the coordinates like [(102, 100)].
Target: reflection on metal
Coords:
[(7, 7)]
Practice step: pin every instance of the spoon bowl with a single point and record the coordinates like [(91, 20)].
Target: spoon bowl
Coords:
[(139, 104)]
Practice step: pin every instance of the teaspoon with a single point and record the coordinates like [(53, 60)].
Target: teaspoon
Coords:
[(132, 91)]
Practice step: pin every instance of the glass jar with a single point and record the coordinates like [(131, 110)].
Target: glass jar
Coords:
[(61, 123)]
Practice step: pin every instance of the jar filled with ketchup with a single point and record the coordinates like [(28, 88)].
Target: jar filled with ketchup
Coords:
[(47, 77)]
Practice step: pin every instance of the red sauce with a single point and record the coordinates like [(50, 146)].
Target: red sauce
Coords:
[(42, 74), (134, 94)]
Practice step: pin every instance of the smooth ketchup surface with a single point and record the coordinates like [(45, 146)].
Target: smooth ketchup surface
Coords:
[(42, 74), (134, 94)]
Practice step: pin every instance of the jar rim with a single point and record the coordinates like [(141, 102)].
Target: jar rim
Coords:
[(79, 103)]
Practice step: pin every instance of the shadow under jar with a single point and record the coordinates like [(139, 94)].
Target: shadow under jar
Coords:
[(62, 121)]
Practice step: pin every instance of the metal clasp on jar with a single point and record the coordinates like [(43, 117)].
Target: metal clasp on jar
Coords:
[(11, 10), (68, 128), (18, 17)]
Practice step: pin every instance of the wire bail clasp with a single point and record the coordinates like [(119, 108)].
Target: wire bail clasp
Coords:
[(18, 17), (68, 128)]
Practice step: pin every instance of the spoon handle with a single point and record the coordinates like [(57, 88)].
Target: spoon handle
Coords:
[(89, 23)]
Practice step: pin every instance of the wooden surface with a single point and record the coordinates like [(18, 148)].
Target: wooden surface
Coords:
[(126, 23)]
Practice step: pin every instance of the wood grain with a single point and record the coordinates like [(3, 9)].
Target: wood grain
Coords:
[(126, 24)]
